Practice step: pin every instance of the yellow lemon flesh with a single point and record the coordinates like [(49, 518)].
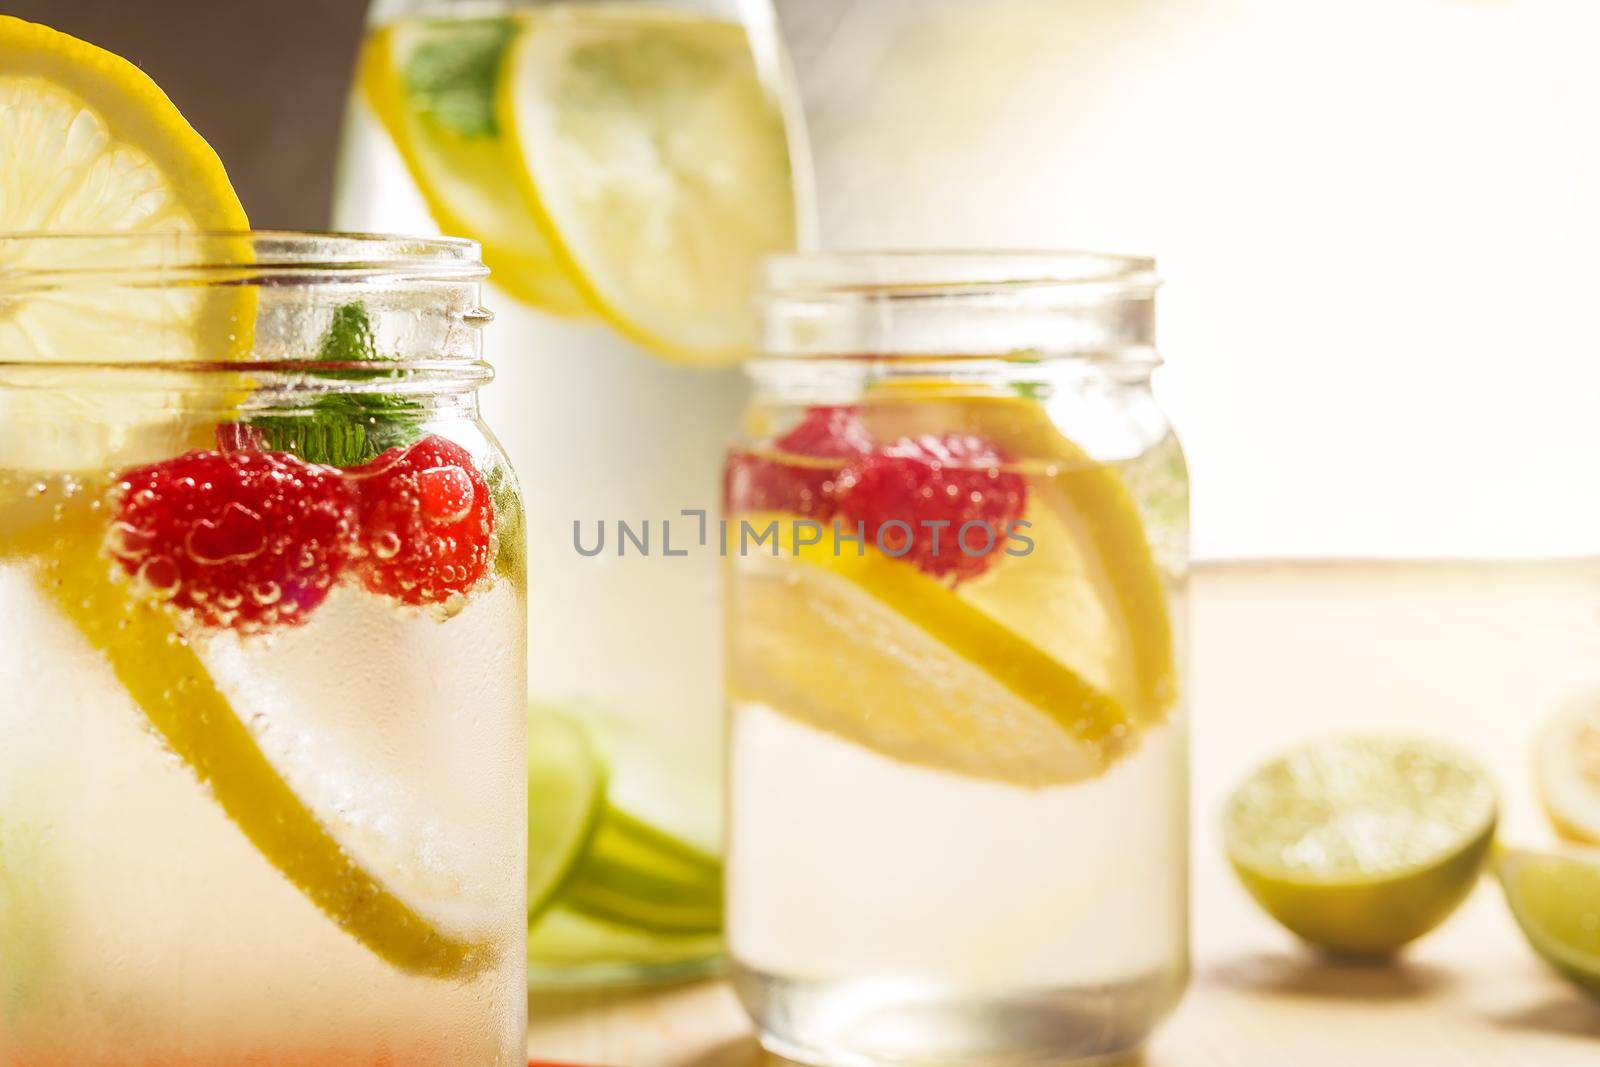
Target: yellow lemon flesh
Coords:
[(1567, 769), (653, 154), (1360, 845), (91, 144), (874, 650), (1092, 593), (454, 150)]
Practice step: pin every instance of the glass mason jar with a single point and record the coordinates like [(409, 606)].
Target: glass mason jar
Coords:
[(624, 163), (262, 789), (956, 543)]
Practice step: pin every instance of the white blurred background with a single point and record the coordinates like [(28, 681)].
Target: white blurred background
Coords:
[(1378, 221)]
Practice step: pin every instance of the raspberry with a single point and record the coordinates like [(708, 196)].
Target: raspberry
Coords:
[(426, 521), (240, 540), (935, 485), (755, 483)]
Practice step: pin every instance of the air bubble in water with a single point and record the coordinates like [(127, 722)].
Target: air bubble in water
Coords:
[(160, 577), (386, 544)]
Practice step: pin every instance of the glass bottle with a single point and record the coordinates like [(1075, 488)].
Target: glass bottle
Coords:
[(624, 163)]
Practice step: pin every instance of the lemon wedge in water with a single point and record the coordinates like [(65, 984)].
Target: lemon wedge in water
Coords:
[(872, 649)]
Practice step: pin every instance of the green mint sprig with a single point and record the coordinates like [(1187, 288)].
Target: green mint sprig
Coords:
[(344, 429), (451, 78)]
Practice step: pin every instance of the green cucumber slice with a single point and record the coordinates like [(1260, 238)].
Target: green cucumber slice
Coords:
[(639, 876)]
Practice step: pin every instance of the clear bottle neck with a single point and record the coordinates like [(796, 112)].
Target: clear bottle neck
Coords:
[(1030, 321)]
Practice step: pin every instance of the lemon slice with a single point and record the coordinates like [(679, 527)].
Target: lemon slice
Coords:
[(655, 157), (874, 650), (169, 683), (1092, 594), (1363, 844), (431, 85), (1568, 770), (91, 144), (1556, 900)]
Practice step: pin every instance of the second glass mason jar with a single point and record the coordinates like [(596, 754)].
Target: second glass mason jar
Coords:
[(625, 163), (262, 640), (958, 774)]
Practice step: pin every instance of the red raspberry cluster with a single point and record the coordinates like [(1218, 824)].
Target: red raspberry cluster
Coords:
[(250, 540), (912, 496)]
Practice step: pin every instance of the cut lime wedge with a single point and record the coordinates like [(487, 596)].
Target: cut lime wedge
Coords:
[(589, 856), (566, 796), (1556, 900), (1362, 844)]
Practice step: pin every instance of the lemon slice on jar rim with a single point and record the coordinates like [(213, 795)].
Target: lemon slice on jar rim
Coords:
[(93, 146)]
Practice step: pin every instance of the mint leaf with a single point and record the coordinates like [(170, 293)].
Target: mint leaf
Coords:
[(349, 337), (344, 429), (452, 77)]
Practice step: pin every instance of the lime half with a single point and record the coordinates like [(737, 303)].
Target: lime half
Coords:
[(566, 795), (1362, 844), (1556, 900)]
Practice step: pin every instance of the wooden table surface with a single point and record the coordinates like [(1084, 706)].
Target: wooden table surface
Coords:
[(1283, 652)]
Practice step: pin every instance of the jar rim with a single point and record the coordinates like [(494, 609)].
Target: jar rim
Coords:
[(29, 259), (911, 273)]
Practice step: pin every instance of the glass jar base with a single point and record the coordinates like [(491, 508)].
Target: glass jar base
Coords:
[(621, 974), (900, 1023)]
